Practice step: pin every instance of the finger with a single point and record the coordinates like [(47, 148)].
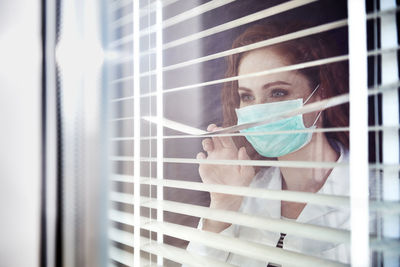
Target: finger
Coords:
[(208, 144), (201, 155), (216, 140), (211, 127), (226, 141), (242, 154), (246, 171), (203, 168)]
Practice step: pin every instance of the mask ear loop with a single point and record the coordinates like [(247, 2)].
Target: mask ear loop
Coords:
[(319, 114), (316, 119), (312, 93)]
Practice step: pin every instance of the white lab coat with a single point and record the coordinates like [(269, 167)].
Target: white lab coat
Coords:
[(270, 178)]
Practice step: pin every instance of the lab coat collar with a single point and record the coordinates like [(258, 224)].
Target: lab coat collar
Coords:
[(337, 183)]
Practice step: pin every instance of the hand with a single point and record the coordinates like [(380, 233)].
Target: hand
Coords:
[(218, 148)]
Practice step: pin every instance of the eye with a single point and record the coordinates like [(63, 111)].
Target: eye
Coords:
[(246, 97), (279, 92)]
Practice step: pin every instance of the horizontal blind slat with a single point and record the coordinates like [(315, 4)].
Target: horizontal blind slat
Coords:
[(146, 10), (389, 207), (122, 118), (125, 257), (235, 23), (265, 163), (182, 255), (391, 246), (122, 20), (174, 125), (292, 67), (224, 27), (118, 4), (120, 236), (312, 107), (286, 195), (308, 130), (121, 256), (317, 130), (245, 248), (316, 29), (213, 4), (274, 225), (276, 40), (283, 38), (316, 106), (173, 20), (250, 18), (298, 66), (167, 251), (239, 22), (235, 245), (372, 91)]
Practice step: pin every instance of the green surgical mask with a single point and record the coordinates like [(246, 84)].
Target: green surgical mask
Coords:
[(276, 145)]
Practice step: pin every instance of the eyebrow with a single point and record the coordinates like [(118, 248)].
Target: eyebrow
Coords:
[(266, 86)]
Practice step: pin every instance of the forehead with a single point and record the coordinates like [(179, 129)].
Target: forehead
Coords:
[(262, 59), (265, 59)]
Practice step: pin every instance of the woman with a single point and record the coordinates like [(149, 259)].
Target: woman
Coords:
[(256, 98)]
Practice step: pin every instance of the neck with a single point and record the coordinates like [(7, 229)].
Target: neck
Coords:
[(308, 179)]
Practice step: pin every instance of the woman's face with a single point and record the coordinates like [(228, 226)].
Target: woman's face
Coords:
[(280, 86)]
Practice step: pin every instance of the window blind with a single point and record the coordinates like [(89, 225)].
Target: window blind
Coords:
[(165, 73)]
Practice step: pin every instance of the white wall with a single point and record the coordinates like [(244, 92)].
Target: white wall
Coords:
[(19, 132)]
